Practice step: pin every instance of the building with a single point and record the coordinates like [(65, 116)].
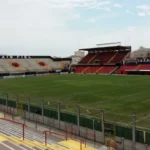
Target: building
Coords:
[(141, 52), (76, 58)]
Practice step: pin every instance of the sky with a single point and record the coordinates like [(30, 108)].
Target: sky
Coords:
[(60, 27)]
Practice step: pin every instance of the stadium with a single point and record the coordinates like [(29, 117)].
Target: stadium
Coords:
[(102, 102)]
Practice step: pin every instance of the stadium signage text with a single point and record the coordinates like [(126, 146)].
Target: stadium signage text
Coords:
[(143, 60), (11, 57)]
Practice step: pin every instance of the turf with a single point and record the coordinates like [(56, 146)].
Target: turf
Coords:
[(119, 96)]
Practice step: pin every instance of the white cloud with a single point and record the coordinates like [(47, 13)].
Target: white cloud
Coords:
[(91, 20), (93, 4), (141, 14), (34, 27), (144, 7), (130, 12), (144, 10), (117, 5), (72, 15), (127, 36), (131, 28), (107, 9)]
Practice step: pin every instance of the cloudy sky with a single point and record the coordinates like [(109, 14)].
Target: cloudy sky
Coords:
[(60, 27)]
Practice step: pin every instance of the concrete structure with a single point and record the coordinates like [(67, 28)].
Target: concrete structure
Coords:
[(141, 52), (31, 64), (76, 58)]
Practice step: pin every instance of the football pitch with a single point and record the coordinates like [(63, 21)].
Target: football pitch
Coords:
[(119, 96)]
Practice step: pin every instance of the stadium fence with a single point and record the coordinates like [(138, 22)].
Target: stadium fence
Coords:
[(55, 111)]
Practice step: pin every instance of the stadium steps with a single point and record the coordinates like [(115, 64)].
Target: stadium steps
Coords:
[(8, 67), (25, 143), (114, 71), (33, 144), (85, 69), (46, 66), (33, 65), (138, 67), (30, 137), (98, 69), (112, 57), (5, 128), (18, 68), (2, 69), (62, 65), (24, 64), (18, 143), (74, 145), (92, 58)]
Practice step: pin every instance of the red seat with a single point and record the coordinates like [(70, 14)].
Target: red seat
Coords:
[(105, 57), (95, 69), (42, 63), (87, 58), (15, 64), (125, 68)]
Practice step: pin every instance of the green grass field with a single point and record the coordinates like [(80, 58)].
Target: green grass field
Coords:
[(119, 96)]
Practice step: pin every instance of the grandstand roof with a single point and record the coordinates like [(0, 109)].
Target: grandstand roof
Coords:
[(108, 48), (36, 57)]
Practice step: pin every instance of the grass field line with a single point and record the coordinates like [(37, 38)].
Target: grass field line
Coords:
[(99, 102), (127, 106), (120, 114), (138, 120)]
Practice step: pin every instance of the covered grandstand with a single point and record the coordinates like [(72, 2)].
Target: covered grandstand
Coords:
[(105, 60)]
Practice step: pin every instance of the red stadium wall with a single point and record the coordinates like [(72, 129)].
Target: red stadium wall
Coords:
[(95, 69)]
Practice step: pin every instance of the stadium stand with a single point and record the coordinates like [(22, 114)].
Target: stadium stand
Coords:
[(140, 66), (7, 66), (31, 64), (87, 58), (96, 69), (123, 69), (17, 136), (103, 60)]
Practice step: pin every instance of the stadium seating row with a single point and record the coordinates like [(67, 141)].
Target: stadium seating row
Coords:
[(28, 65), (126, 68), (109, 69), (104, 57), (11, 137), (96, 69)]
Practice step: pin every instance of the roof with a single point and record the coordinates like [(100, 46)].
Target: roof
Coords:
[(108, 48), (34, 57), (62, 59)]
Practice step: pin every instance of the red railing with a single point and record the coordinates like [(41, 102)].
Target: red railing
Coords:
[(66, 136), (15, 122), (90, 135), (72, 131)]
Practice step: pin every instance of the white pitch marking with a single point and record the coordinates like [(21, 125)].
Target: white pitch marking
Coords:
[(7, 146)]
